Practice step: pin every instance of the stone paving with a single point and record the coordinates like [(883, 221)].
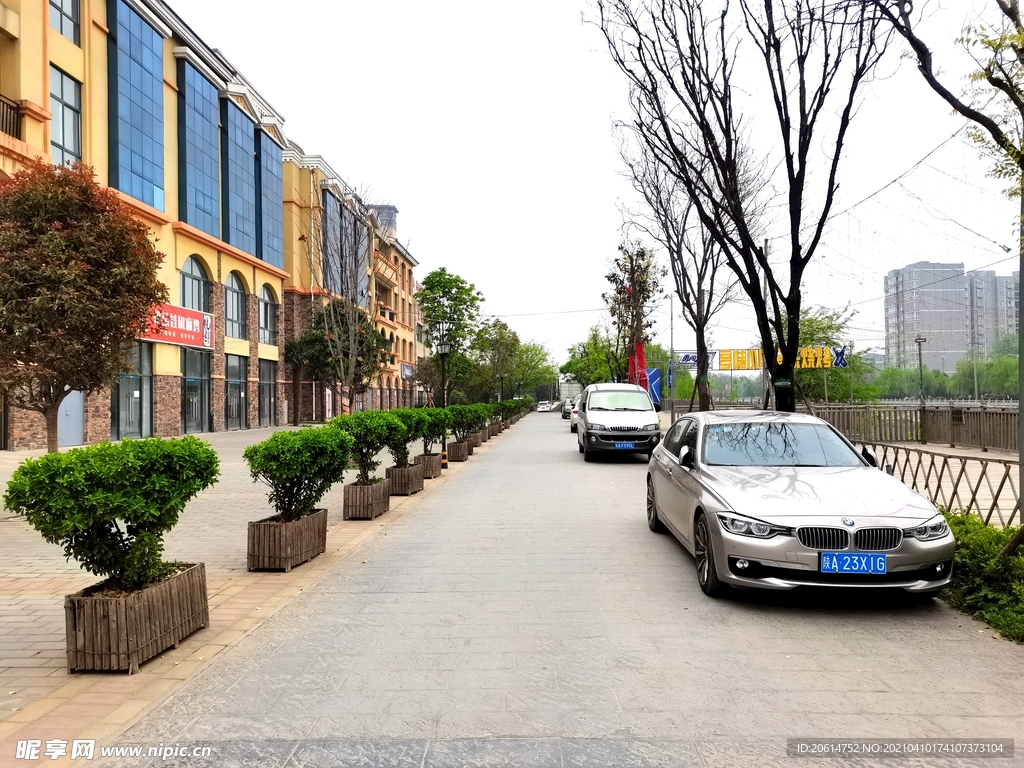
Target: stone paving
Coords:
[(38, 697), (526, 616)]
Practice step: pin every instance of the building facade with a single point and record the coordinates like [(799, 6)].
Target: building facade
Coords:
[(960, 314), (126, 87)]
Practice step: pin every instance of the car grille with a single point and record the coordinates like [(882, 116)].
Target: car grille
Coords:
[(877, 539), (824, 538), (624, 429)]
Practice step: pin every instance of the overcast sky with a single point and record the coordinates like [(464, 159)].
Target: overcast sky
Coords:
[(489, 126)]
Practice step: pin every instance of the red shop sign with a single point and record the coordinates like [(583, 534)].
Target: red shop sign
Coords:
[(177, 325)]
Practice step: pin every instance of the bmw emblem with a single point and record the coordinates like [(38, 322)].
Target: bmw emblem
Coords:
[(847, 521)]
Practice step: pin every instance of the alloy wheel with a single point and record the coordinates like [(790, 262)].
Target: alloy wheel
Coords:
[(700, 551)]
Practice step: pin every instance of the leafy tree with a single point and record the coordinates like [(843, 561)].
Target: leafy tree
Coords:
[(1007, 344), (531, 368), (495, 348), (906, 383), (588, 361), (416, 423), (323, 353), (79, 279), (997, 377), (449, 298), (439, 421), (822, 327)]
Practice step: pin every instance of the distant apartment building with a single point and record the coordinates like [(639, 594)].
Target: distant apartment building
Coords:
[(959, 313)]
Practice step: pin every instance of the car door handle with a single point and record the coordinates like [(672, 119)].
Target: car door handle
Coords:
[(670, 472)]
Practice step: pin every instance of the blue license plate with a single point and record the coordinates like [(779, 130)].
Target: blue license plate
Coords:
[(852, 562), (626, 446)]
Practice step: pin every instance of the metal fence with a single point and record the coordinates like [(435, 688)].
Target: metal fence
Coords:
[(975, 426), (986, 486)]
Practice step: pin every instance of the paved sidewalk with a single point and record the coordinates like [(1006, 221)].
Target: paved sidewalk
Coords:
[(527, 617), (38, 699)]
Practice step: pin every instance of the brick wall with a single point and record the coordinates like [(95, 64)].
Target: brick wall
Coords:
[(27, 429), (218, 363), (97, 417), (252, 393), (167, 406)]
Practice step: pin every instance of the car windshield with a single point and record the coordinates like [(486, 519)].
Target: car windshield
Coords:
[(624, 400), (776, 444)]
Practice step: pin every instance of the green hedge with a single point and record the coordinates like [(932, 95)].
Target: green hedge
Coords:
[(985, 585), (416, 423), (109, 505), (439, 421), (371, 431), (300, 467)]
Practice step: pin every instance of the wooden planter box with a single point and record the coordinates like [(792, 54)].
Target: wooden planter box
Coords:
[(469, 446), (120, 633), (277, 546), (485, 434), (431, 465), (475, 439), (458, 451), (405, 481), (365, 502)]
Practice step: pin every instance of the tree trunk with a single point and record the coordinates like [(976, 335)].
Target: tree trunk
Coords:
[(50, 414), (1013, 544), (782, 383), (703, 363)]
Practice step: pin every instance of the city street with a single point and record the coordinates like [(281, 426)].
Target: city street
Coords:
[(525, 615)]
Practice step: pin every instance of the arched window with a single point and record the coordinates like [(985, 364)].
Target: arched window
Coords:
[(195, 287), (235, 310), (268, 316)]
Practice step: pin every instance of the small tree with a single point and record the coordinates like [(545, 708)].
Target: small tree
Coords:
[(300, 467), (439, 421), (371, 432), (416, 423), (445, 297), (635, 281), (79, 279)]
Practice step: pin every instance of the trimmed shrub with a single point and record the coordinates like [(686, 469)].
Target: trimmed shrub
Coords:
[(985, 585), (481, 414), (372, 431), (109, 505), (416, 423), (462, 421), (300, 467), (439, 421)]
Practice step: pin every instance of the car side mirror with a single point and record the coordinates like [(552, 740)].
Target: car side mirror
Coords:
[(657, 407), (686, 457), (583, 407), (869, 456)]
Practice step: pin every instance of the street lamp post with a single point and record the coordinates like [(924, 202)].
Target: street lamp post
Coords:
[(920, 340), (501, 383), (443, 347)]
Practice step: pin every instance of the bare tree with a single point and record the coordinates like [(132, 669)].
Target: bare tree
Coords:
[(815, 55), (694, 256)]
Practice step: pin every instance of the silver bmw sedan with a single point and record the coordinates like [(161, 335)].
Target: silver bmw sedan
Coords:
[(781, 500)]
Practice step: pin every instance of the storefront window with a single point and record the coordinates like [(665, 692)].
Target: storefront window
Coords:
[(195, 396), (132, 398), (235, 375), (268, 393)]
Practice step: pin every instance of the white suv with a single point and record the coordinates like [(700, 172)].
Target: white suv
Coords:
[(619, 418)]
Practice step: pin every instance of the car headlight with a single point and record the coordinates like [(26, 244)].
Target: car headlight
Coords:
[(598, 426), (935, 528), (745, 526), (652, 428)]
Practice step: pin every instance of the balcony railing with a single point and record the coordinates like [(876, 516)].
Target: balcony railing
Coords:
[(10, 117)]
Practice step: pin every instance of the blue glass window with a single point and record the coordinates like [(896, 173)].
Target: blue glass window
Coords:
[(66, 108), (271, 201), (138, 154), (238, 148), (331, 251), (200, 148)]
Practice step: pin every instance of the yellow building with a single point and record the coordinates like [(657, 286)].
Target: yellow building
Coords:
[(126, 87)]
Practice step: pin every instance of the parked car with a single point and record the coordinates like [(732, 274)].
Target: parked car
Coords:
[(781, 500), (543, 405), (574, 416), (619, 418)]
